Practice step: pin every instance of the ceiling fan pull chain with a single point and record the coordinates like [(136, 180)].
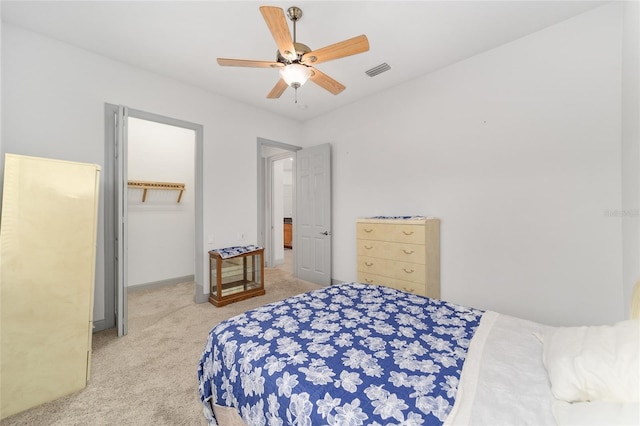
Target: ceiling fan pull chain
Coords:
[(295, 96)]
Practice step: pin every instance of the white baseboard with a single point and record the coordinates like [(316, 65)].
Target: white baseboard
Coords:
[(162, 283)]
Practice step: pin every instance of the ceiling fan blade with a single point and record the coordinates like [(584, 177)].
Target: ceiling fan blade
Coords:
[(353, 46), (278, 89), (326, 82), (247, 63), (277, 23)]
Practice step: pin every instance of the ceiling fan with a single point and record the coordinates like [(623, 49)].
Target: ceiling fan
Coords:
[(295, 60)]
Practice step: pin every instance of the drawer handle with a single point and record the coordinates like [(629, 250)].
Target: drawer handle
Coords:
[(368, 247), (368, 281), (368, 229), (408, 271), (368, 263), (407, 232), (407, 251), (410, 290)]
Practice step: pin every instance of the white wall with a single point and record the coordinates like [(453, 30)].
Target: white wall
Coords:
[(161, 230), (630, 211), (517, 150), (53, 106), (287, 190), (278, 215)]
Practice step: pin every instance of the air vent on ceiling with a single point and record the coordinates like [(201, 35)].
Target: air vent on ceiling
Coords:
[(378, 69)]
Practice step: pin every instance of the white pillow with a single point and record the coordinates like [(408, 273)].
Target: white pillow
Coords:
[(598, 363)]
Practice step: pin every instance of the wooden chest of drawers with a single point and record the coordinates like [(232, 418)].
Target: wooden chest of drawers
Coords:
[(288, 234), (400, 253)]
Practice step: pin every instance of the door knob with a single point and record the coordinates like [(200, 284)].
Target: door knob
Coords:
[(325, 233)]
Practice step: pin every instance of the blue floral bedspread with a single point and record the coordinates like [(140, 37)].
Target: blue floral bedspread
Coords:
[(350, 354)]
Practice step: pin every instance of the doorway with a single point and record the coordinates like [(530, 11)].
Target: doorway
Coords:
[(311, 186), (116, 209), (161, 219), (281, 194), (271, 209)]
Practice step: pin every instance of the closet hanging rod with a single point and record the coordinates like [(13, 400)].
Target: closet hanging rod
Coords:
[(145, 185)]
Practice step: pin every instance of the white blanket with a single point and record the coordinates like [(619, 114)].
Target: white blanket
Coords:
[(504, 381)]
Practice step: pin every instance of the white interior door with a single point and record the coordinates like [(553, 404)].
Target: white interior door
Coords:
[(312, 224), (121, 218)]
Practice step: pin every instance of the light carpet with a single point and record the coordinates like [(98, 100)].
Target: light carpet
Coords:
[(149, 377)]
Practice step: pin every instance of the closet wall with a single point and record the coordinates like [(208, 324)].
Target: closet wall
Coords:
[(161, 230), (287, 187)]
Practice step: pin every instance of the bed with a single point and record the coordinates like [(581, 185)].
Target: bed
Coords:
[(361, 354)]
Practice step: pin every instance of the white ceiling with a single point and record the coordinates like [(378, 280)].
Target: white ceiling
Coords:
[(182, 39)]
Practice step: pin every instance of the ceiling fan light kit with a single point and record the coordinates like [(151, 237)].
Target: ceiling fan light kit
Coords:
[(295, 75), (294, 59)]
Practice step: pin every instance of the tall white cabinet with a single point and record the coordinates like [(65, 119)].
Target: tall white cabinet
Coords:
[(47, 271)]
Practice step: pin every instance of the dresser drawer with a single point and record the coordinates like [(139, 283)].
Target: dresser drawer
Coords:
[(405, 271), (408, 286), (403, 252), (394, 232)]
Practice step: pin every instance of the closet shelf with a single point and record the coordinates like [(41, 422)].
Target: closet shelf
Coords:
[(145, 185)]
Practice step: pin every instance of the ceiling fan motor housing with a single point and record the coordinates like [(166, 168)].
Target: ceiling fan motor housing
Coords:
[(301, 49)]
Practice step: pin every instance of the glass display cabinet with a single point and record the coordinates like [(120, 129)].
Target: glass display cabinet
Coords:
[(236, 273)]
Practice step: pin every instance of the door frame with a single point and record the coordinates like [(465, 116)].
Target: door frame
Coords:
[(264, 195), (110, 206)]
